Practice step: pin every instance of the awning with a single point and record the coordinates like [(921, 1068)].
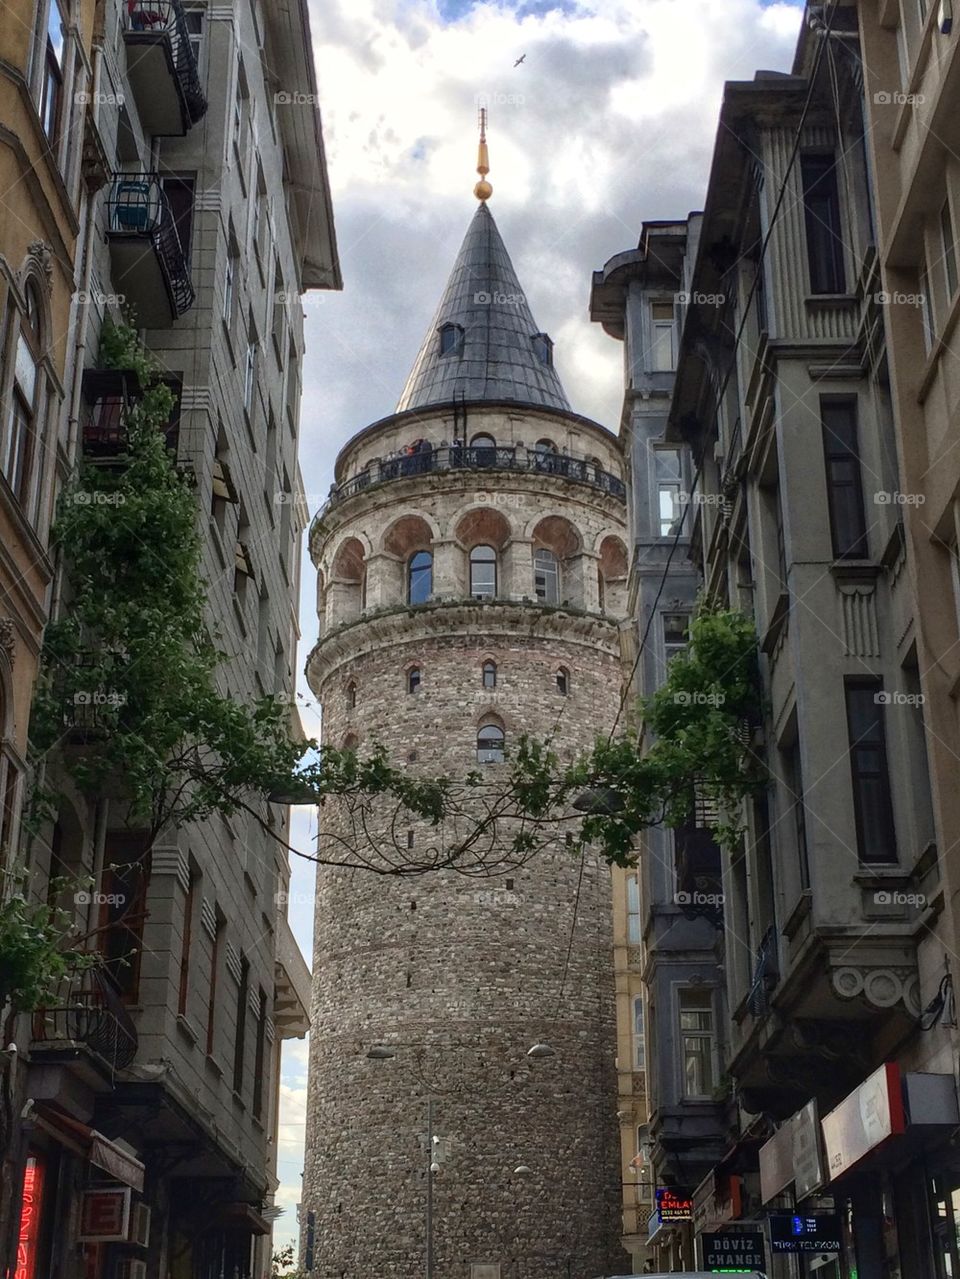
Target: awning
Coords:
[(92, 1145), (243, 1216)]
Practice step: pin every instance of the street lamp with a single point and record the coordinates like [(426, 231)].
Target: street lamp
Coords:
[(541, 1050), (381, 1052), (599, 800)]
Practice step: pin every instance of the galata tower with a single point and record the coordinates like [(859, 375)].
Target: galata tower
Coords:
[(472, 567)]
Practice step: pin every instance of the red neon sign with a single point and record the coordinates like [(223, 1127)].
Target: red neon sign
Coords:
[(29, 1237)]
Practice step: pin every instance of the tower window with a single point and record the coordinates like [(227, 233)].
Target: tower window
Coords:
[(420, 578), (414, 679), (490, 743), (543, 348), (563, 681), (451, 339), (489, 675), (483, 572), (821, 201), (667, 467), (545, 446), (351, 695), (546, 576), (662, 337)]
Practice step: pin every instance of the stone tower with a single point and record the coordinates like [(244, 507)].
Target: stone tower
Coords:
[(471, 567)]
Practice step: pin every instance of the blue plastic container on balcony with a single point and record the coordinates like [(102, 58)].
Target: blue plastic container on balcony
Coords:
[(136, 206)]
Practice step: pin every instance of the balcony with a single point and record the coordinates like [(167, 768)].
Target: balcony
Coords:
[(451, 457), (161, 67), (147, 261), (89, 1025), (109, 395)]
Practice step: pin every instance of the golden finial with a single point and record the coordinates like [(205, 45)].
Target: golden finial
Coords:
[(483, 190)]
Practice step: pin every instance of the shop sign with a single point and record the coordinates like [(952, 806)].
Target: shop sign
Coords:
[(776, 1163), (29, 1237), (863, 1120), (716, 1201), (808, 1163), (804, 1232), (105, 1214), (673, 1205), (728, 1253)]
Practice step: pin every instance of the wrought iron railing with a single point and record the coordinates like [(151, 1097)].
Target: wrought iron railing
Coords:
[(766, 974), (89, 1011), (138, 206), (154, 17), (453, 457)]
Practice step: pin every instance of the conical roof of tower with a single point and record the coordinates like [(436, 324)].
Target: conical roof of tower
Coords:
[(496, 358)]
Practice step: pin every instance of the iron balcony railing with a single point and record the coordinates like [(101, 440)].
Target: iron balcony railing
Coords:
[(138, 206), (454, 457), (89, 1011), (155, 17), (766, 975)]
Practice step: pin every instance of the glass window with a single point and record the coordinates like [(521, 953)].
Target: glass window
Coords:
[(872, 801), (51, 102), (250, 372), (545, 447), (490, 745), (489, 675), (663, 356), (949, 249), (697, 1037), (420, 578), (639, 1047), (633, 910), (451, 339), (546, 576), (18, 453), (351, 695), (821, 200), (563, 681), (483, 572), (926, 304), (667, 468), (674, 635), (848, 525), (543, 348), (414, 679)]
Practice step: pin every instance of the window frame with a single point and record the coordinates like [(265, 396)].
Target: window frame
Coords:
[(478, 561), (826, 260), (240, 1026), (633, 909), (703, 1036), (845, 502), (563, 681), (416, 574), (554, 573), (488, 669), (414, 679), (491, 733), (948, 243), (662, 326), (862, 803), (668, 484), (638, 1034)]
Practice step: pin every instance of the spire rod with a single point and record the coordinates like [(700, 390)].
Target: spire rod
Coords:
[(483, 190)]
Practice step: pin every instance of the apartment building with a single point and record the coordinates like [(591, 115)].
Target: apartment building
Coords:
[(667, 917), (841, 1054), (147, 1142)]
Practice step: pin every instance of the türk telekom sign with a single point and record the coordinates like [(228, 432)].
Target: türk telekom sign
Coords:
[(871, 1115)]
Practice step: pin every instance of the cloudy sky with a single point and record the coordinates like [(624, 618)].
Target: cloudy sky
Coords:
[(608, 122)]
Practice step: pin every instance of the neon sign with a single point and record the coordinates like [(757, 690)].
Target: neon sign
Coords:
[(29, 1238)]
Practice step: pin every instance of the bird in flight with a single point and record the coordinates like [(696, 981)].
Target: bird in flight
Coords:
[(522, 58)]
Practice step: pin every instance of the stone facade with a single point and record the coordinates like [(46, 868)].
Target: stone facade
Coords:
[(460, 975)]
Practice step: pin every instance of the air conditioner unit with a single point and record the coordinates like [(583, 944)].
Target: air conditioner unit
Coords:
[(131, 1268), (140, 1226)]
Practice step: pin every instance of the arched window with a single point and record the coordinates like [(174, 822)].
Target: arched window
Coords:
[(414, 679), (545, 446), (451, 339), (546, 576), (490, 744), (483, 450), (639, 1049), (563, 681), (489, 675), (420, 578), (483, 572), (351, 695), (483, 442)]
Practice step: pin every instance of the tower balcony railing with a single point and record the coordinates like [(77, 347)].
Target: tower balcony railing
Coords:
[(146, 256), (162, 67), (460, 457)]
